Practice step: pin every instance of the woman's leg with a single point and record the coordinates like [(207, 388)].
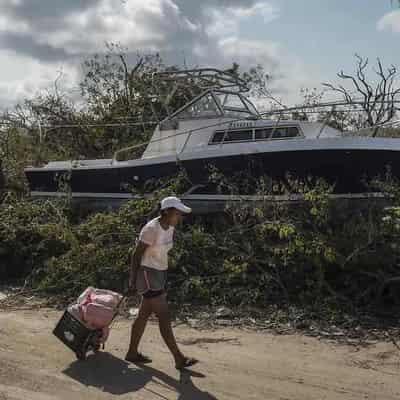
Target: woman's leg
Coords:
[(160, 308), (138, 328)]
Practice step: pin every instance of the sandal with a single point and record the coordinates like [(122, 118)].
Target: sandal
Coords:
[(187, 362), (139, 359)]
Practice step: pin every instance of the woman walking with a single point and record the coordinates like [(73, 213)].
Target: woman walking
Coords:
[(148, 277)]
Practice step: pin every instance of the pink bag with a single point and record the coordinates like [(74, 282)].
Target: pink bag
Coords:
[(105, 297), (96, 308), (97, 315)]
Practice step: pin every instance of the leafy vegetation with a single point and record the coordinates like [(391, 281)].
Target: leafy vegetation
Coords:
[(311, 253)]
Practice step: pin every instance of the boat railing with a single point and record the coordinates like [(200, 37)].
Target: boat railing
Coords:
[(228, 128), (229, 124), (354, 103), (186, 142), (158, 140), (389, 124), (189, 134)]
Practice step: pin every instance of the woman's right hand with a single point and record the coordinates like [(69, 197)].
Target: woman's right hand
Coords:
[(132, 284), (135, 263)]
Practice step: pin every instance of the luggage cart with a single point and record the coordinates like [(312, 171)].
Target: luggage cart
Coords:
[(78, 337)]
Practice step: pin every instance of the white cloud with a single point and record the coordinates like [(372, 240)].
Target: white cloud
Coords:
[(133, 23), (390, 21), (264, 9), (24, 77), (9, 25), (207, 33), (289, 73), (227, 21), (249, 52)]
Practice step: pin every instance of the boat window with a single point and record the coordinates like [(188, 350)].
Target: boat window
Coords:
[(234, 105), (230, 100), (232, 136), (217, 138), (282, 132), (251, 106), (236, 113), (204, 107)]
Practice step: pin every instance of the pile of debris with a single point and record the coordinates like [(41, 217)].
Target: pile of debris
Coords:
[(356, 330)]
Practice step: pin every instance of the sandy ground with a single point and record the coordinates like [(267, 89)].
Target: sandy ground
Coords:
[(235, 364)]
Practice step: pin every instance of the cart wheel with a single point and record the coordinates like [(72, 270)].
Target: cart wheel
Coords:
[(96, 348), (96, 345), (81, 355)]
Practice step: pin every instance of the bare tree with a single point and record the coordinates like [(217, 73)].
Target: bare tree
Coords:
[(378, 98), (259, 83)]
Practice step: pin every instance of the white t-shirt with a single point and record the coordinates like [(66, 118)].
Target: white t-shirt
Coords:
[(160, 242)]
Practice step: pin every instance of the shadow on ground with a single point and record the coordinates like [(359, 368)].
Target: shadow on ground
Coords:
[(115, 376)]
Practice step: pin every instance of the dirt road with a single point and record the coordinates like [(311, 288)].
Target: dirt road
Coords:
[(236, 364)]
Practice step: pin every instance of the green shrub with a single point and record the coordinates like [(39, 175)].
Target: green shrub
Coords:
[(311, 252), (30, 234)]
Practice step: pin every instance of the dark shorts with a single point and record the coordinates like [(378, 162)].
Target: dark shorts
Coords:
[(151, 282), (151, 294)]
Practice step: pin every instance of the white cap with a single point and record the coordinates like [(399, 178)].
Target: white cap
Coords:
[(174, 202)]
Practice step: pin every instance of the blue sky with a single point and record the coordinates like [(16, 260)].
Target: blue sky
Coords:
[(325, 34), (302, 42)]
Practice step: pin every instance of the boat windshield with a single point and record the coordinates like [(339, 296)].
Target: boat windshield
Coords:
[(216, 104), (204, 107), (234, 105), (251, 106)]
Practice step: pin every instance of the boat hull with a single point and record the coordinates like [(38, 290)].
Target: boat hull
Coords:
[(347, 169)]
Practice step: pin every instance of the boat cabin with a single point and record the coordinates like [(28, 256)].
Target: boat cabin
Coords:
[(219, 117)]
